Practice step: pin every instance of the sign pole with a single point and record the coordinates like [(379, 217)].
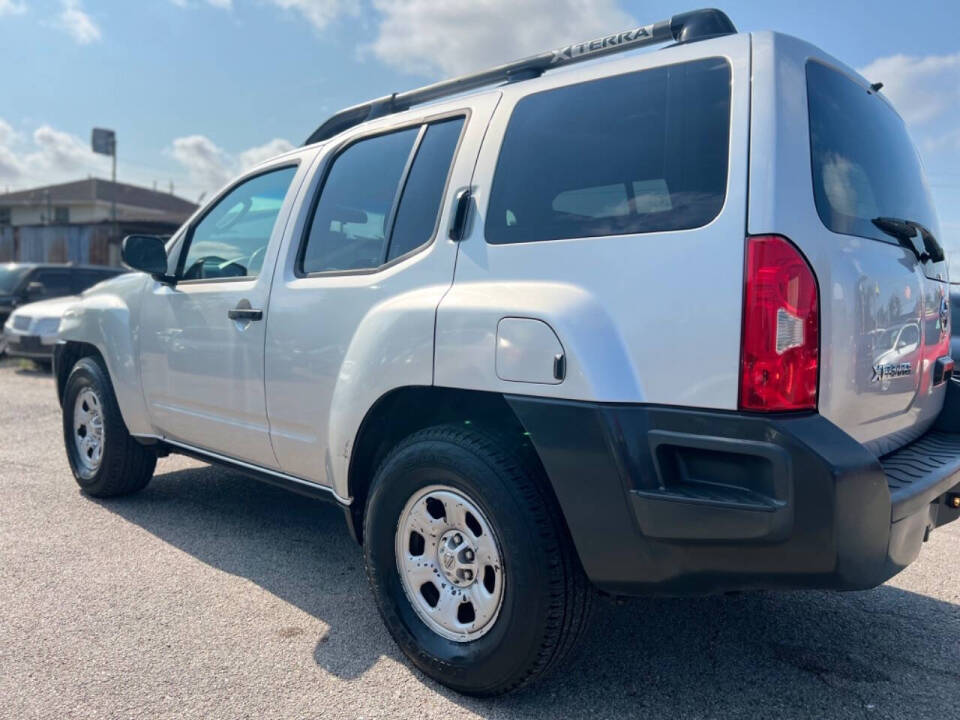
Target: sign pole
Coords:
[(113, 194), (104, 141)]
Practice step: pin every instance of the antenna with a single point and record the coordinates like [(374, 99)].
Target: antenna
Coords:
[(683, 28)]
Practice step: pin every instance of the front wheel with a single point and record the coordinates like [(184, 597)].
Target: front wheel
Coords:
[(105, 459), (473, 571)]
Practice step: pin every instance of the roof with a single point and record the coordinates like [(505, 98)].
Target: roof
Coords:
[(82, 192)]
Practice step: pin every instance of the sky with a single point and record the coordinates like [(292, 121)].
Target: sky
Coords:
[(198, 90)]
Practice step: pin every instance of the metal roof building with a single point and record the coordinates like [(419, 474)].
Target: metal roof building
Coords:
[(72, 222)]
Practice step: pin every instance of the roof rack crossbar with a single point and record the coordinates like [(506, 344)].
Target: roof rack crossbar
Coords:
[(681, 28)]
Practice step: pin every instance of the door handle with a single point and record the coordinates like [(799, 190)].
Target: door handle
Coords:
[(243, 311), (461, 207), (245, 314)]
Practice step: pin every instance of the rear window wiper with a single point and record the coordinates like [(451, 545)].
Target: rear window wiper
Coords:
[(906, 232)]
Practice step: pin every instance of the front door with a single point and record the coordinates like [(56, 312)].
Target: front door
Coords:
[(202, 342)]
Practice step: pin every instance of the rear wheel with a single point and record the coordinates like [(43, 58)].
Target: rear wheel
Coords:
[(472, 568), (105, 459)]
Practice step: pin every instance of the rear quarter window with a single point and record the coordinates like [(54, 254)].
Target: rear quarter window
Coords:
[(636, 153)]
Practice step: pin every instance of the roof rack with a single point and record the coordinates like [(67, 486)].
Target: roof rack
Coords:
[(682, 28)]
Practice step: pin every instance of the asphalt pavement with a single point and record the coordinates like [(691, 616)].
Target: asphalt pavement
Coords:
[(209, 595)]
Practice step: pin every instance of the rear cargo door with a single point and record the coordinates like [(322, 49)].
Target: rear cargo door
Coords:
[(848, 189)]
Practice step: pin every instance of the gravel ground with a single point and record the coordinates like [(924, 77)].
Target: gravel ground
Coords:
[(210, 595)]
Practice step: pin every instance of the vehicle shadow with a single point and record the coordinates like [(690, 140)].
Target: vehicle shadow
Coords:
[(885, 652)]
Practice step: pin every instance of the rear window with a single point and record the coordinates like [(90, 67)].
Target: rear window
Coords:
[(864, 164), (635, 153)]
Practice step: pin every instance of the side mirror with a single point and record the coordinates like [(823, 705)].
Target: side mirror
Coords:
[(146, 253), (35, 290)]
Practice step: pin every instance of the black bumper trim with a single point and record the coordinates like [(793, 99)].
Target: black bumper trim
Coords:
[(922, 471), (678, 501)]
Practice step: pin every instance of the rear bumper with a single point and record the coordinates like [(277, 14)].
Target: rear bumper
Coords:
[(674, 501)]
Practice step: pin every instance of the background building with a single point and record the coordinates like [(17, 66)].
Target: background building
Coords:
[(72, 222)]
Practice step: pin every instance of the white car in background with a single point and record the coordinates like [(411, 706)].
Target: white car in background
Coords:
[(31, 330)]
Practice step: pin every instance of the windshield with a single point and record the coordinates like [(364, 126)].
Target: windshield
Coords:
[(10, 276), (864, 163)]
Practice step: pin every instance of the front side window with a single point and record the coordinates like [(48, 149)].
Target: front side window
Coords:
[(636, 153), (231, 239), (381, 198)]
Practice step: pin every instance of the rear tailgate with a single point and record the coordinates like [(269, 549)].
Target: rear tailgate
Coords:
[(843, 163)]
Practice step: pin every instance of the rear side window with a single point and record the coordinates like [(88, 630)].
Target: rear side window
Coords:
[(864, 164), (381, 198), (635, 153)]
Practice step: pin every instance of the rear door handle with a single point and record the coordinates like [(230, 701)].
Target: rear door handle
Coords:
[(461, 206), (243, 311)]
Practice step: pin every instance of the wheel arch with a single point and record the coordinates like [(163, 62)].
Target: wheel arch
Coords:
[(66, 355), (403, 411), (106, 319)]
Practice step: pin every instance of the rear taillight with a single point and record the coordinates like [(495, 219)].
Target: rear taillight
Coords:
[(779, 353)]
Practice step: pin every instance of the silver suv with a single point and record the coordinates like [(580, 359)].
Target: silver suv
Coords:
[(672, 322)]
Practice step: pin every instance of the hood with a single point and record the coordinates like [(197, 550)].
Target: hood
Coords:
[(53, 307)]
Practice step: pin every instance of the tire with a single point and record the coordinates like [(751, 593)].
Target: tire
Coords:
[(545, 597), (121, 465)]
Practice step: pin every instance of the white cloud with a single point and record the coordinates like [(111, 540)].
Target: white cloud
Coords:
[(80, 26), (449, 38), (224, 4), (320, 12), (49, 156), (207, 164), (921, 88), (256, 155), (11, 167), (7, 133), (210, 167), (12, 7)]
